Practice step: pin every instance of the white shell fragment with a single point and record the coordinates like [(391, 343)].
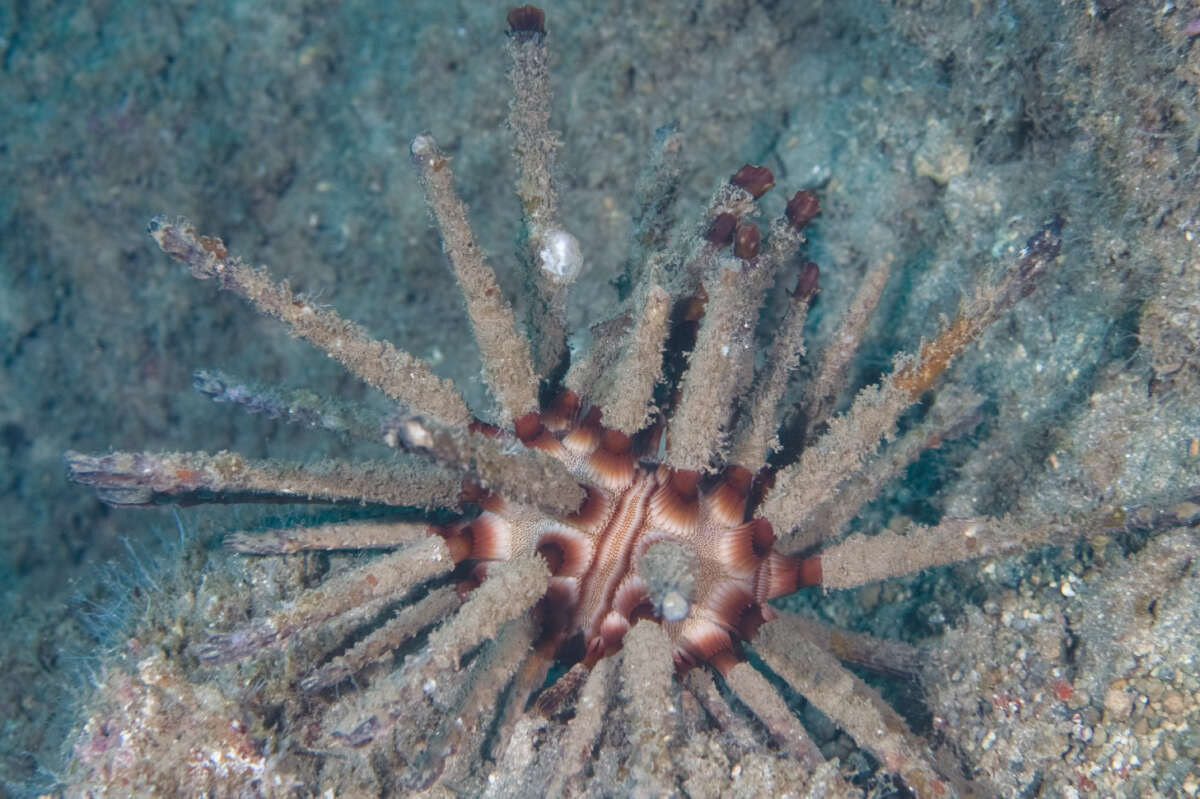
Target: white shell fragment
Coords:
[(560, 256)]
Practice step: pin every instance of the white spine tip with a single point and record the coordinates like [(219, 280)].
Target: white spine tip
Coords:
[(560, 256), (422, 146)]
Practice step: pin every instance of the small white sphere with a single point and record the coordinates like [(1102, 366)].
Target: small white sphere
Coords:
[(560, 255), (422, 146), (674, 606)]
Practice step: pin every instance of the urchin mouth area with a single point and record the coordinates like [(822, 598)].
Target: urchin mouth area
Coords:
[(676, 546)]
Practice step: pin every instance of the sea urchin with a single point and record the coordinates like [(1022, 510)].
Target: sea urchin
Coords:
[(636, 502)]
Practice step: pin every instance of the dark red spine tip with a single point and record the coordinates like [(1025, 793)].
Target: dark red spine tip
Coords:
[(526, 21), (563, 411), (810, 572), (723, 661), (616, 442), (802, 208), (806, 285), (755, 179), (684, 482), (745, 241), (483, 428), (552, 552), (764, 538), (720, 232), (528, 427), (751, 620), (738, 477)]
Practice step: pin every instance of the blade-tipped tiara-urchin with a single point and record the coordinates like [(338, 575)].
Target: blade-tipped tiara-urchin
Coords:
[(609, 550)]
